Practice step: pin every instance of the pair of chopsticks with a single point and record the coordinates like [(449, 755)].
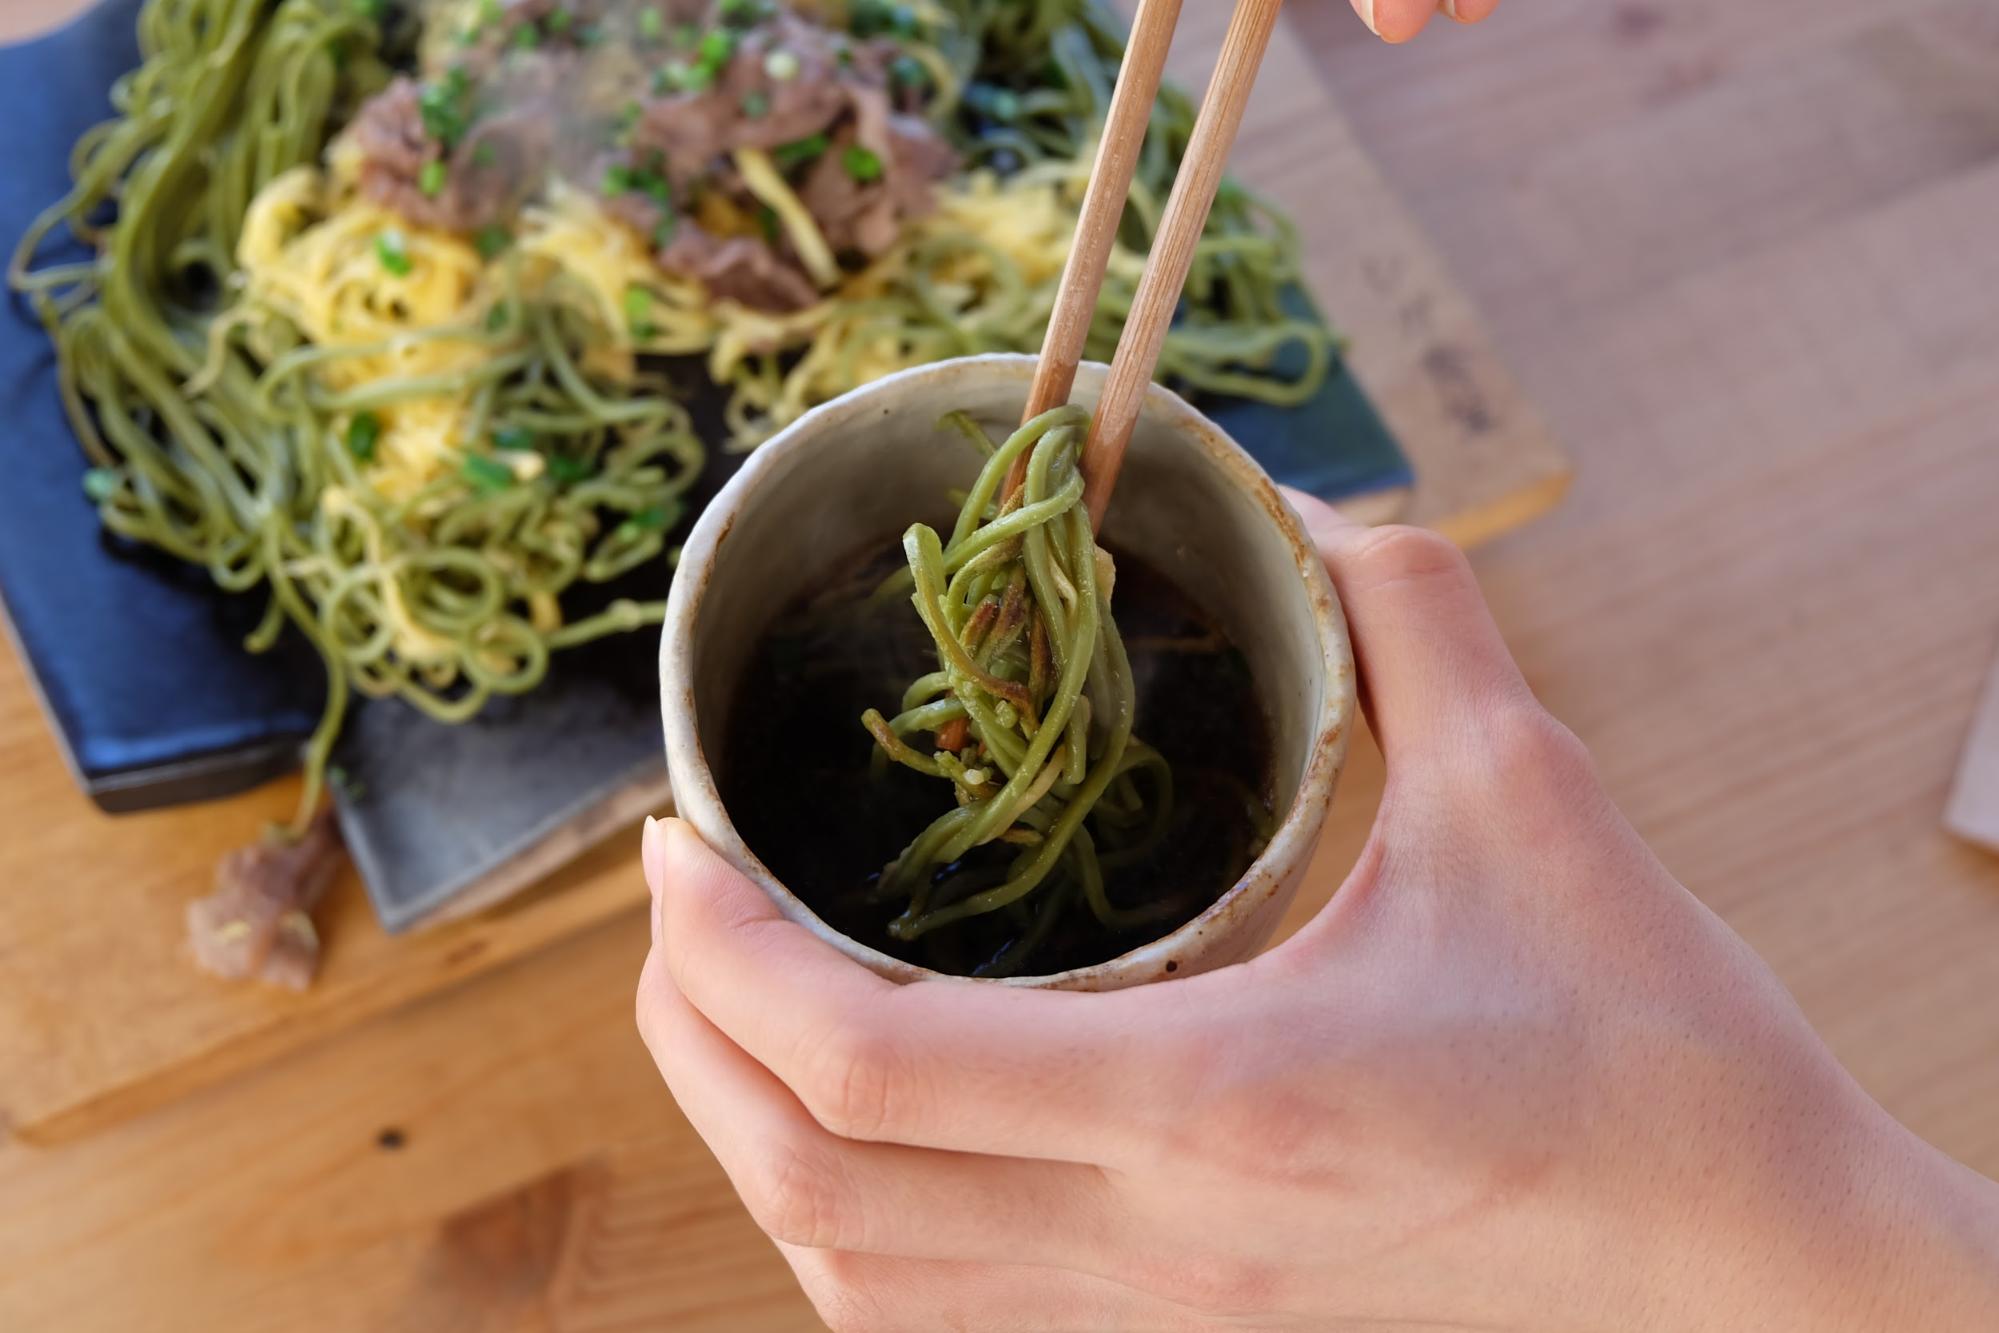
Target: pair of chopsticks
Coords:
[(1179, 231)]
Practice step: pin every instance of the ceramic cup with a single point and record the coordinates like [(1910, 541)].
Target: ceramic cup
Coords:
[(1190, 503)]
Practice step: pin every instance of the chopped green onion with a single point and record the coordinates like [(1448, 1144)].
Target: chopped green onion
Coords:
[(497, 317), (489, 11), (799, 151), (393, 252), (100, 483), (486, 475), (767, 219), (638, 311), (363, 429), (568, 469), (781, 65), (678, 76), (372, 9), (490, 239), (743, 13), (617, 180), (756, 105), (862, 164), (662, 234), (652, 26), (442, 106), (557, 20), (998, 103), (717, 48), (844, 53), (514, 438), (686, 35), (907, 71), (650, 519), (431, 179), (873, 17), (655, 187), (526, 38)]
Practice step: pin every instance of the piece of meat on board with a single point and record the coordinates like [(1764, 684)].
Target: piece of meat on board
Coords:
[(258, 921)]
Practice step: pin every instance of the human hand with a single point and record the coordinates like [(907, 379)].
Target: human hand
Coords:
[(1399, 20), (1512, 1076)]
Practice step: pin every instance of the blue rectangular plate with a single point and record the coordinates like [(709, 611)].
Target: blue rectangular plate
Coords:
[(139, 659)]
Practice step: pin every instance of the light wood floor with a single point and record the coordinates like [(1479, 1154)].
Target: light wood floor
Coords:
[(1742, 256)]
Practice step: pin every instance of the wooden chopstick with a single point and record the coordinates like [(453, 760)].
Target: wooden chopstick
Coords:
[(1172, 250), (1103, 205)]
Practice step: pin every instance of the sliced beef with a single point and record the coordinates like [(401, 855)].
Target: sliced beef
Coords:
[(737, 268), (868, 217), (258, 921), (389, 132), (920, 157), (500, 161), (747, 107), (526, 113), (636, 211)]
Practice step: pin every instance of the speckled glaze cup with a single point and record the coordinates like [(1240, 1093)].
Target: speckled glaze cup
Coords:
[(1190, 503)]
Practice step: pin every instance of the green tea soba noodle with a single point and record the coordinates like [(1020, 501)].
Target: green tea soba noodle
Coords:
[(1032, 705)]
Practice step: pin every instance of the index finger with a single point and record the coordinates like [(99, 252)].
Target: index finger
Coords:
[(962, 1065), (1433, 665)]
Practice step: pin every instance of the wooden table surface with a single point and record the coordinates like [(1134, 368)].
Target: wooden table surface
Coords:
[(1740, 255)]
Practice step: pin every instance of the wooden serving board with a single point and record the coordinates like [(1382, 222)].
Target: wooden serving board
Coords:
[(101, 1014)]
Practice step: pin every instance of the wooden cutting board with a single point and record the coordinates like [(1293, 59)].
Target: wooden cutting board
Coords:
[(100, 1013)]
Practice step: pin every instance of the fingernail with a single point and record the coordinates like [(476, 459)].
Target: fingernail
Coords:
[(1450, 8), (652, 854), (1366, 9)]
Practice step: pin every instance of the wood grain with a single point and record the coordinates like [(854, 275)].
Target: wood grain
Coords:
[(1768, 607), (102, 1015), (1742, 257), (539, 1179), (102, 898), (1484, 456)]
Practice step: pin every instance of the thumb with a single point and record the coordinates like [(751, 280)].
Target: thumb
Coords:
[(653, 858), (1431, 659)]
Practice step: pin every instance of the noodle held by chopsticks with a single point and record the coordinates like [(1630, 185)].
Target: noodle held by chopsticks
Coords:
[(1029, 657)]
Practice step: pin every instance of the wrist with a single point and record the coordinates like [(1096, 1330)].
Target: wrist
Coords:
[(1944, 1245), (1874, 1231), (1796, 1203)]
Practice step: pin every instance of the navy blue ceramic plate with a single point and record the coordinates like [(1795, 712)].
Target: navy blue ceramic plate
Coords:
[(139, 660)]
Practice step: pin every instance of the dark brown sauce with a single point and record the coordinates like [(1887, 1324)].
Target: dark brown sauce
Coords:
[(797, 782)]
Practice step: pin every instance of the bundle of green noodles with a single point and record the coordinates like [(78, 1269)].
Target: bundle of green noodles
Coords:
[(1031, 703)]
